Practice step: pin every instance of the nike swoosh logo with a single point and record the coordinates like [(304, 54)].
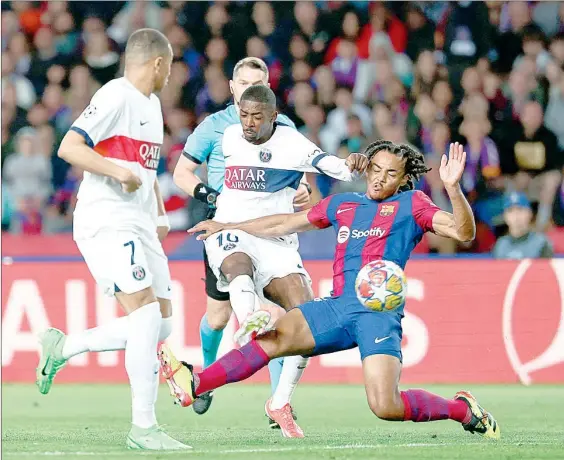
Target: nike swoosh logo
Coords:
[(299, 266), (339, 211), (377, 340), (143, 123), (301, 367)]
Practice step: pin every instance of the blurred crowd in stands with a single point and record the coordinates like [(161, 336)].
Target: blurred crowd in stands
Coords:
[(488, 74)]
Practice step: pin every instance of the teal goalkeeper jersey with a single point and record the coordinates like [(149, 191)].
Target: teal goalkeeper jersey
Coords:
[(204, 144)]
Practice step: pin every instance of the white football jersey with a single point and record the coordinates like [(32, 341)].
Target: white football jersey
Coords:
[(261, 180), (126, 127)]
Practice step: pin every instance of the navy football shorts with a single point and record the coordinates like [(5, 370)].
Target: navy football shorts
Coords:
[(340, 323)]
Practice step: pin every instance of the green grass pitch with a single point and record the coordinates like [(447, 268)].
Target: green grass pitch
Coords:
[(91, 421)]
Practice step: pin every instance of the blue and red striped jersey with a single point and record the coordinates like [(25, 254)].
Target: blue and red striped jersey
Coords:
[(370, 230)]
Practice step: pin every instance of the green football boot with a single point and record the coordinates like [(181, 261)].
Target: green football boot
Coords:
[(51, 361), (153, 438)]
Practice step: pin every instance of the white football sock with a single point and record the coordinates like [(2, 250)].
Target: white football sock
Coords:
[(292, 370), (242, 296), (108, 337), (164, 332), (166, 328), (141, 364)]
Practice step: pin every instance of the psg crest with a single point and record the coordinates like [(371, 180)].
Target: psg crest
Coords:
[(265, 155), (138, 273), (387, 210)]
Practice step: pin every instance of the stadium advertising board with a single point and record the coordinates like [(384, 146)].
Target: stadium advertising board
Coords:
[(466, 321)]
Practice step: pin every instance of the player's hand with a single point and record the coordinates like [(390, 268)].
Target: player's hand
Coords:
[(162, 232), (357, 162), (302, 196), (451, 168), (129, 181), (208, 227)]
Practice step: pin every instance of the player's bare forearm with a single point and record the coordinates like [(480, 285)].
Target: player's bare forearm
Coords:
[(185, 176), (160, 203), (74, 150), (276, 225), (264, 227), (460, 225)]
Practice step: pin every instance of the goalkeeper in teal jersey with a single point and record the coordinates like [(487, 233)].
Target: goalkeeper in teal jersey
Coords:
[(204, 146)]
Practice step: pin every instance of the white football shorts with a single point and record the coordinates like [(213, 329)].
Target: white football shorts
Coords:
[(271, 259), (127, 261)]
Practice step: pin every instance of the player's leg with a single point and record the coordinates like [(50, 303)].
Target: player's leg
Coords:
[(111, 336), (291, 335), (313, 328), (229, 254), (289, 292), (58, 348), (148, 261), (379, 339), (218, 312), (120, 265)]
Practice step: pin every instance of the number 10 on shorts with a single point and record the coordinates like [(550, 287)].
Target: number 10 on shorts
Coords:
[(230, 241)]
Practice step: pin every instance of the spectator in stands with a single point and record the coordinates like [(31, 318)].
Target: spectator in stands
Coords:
[(58, 216), (325, 88), (534, 48), (537, 161), (257, 47), (554, 119), (28, 170), (345, 64), (421, 32), (443, 98), (465, 40), (310, 25), (521, 242), (335, 128), (300, 99), (426, 74), (557, 49), (102, 61), (133, 16), (382, 21), (19, 50), (25, 92), (45, 56), (217, 55), (350, 31)]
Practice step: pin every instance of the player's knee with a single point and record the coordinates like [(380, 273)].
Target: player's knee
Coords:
[(383, 408), (273, 343), (218, 314), (236, 265)]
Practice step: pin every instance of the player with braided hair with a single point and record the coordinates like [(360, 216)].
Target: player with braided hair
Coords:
[(414, 160), (384, 224)]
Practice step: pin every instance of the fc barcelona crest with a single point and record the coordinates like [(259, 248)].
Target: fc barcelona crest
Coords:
[(265, 155), (387, 210)]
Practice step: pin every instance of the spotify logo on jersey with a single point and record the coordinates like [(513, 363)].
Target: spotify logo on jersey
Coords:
[(343, 234)]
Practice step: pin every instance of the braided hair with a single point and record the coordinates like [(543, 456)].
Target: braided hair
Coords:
[(414, 160)]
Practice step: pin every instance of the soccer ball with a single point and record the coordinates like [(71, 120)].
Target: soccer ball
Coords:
[(381, 286)]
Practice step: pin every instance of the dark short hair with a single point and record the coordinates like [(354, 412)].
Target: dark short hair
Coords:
[(260, 93), (145, 44)]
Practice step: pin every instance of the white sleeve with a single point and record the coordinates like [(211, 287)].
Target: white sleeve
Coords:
[(313, 159), (97, 121)]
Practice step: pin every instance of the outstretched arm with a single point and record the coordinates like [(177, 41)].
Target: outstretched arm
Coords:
[(265, 227), (459, 225)]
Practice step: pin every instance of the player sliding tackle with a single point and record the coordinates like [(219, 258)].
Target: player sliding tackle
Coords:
[(341, 322), (264, 163)]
